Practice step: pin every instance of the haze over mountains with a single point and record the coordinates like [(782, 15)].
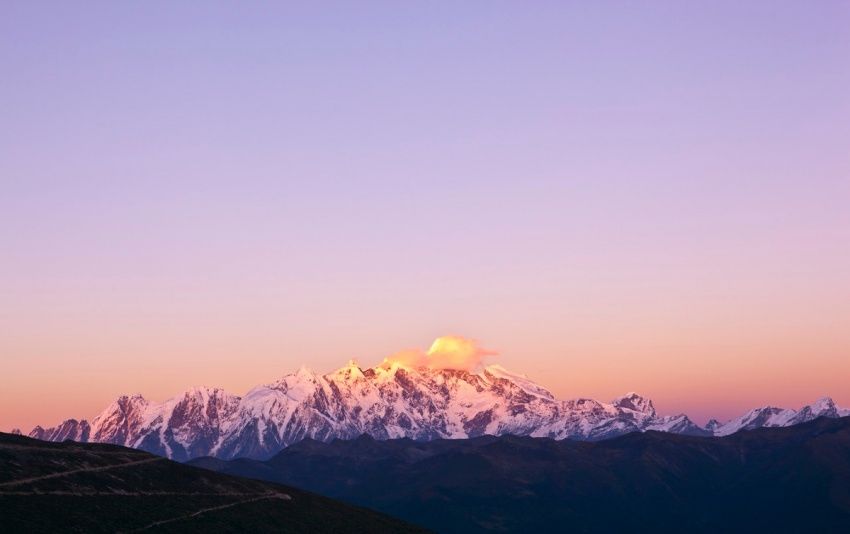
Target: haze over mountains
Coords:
[(404, 397)]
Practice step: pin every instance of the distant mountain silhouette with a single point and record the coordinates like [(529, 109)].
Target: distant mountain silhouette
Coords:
[(792, 479), (72, 487)]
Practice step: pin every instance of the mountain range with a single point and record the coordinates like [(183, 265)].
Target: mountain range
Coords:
[(391, 400)]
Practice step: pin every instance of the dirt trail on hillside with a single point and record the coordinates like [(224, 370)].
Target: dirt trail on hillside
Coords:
[(282, 496), (75, 471)]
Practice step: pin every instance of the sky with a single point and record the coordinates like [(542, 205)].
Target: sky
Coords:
[(608, 196)]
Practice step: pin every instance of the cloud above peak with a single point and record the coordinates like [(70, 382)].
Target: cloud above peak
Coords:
[(447, 352)]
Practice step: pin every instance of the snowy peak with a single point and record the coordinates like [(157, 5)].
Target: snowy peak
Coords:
[(68, 429), (770, 416), (351, 371), (199, 406), (712, 425), (823, 406), (497, 372), (756, 418), (678, 424), (633, 401), (119, 420)]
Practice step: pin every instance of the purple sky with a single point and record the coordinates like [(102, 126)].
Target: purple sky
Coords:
[(615, 196)]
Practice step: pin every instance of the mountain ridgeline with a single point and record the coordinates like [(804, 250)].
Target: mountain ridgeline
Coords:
[(384, 402), (793, 479)]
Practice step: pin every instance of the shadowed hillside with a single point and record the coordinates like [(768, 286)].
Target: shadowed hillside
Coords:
[(794, 479), (72, 487)]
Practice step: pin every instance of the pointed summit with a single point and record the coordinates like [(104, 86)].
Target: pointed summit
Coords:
[(713, 425), (823, 405), (350, 371), (305, 372), (633, 401)]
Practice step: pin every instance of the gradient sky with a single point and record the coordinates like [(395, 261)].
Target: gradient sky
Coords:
[(614, 196)]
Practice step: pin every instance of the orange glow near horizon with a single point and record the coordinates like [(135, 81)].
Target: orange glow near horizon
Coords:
[(714, 380)]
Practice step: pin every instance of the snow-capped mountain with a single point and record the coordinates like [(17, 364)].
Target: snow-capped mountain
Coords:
[(770, 416), (387, 401)]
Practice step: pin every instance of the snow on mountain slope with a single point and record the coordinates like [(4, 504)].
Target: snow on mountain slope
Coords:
[(69, 429), (388, 401), (678, 424), (769, 416)]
